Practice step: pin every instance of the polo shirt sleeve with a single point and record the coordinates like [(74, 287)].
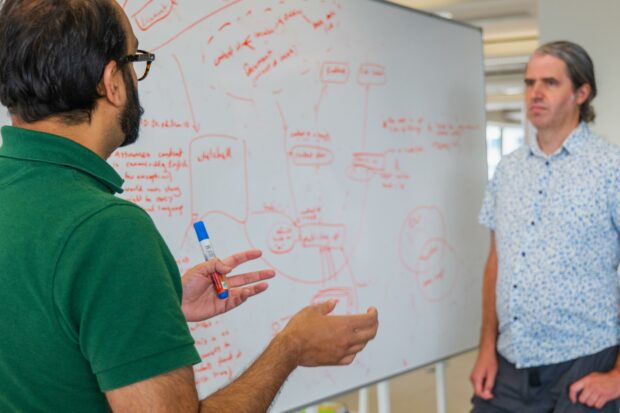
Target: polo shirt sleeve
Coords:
[(488, 210), (118, 294)]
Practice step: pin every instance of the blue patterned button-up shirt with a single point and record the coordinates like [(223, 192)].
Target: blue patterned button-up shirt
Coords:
[(556, 220)]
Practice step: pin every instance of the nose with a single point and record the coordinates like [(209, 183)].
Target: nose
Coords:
[(536, 91)]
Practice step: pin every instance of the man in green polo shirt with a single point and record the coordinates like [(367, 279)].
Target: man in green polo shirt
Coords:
[(92, 309)]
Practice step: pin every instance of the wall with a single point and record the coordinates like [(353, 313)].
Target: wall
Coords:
[(592, 24)]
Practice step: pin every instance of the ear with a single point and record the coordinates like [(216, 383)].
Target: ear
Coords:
[(582, 93), (112, 86)]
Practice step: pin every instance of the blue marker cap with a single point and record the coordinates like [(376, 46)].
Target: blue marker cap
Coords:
[(223, 294), (201, 230)]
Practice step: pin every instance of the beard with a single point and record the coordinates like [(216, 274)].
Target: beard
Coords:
[(132, 112)]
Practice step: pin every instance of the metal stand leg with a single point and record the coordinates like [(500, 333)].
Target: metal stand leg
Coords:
[(362, 401), (440, 384), (383, 397)]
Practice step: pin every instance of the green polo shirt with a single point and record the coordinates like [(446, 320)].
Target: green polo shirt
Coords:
[(89, 293)]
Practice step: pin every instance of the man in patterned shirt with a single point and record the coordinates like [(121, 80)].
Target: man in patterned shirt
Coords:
[(92, 306), (549, 340)]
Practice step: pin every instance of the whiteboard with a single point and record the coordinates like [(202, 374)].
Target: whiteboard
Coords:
[(344, 138)]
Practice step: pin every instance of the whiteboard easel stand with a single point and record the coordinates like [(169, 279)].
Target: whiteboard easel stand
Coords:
[(362, 401), (383, 392), (440, 385), (383, 396)]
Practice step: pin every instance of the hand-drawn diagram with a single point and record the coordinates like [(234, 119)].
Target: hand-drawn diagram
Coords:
[(286, 127), (425, 252)]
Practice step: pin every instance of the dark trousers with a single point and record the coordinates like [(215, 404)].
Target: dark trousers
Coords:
[(544, 389)]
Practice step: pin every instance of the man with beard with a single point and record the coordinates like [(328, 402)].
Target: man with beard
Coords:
[(93, 312), (551, 295)]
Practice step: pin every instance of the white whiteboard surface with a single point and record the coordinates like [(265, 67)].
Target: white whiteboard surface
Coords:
[(344, 138)]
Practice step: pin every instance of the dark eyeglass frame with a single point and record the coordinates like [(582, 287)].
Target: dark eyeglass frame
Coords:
[(140, 56)]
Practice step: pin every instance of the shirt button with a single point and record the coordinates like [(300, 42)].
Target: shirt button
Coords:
[(540, 192), (547, 163), (515, 318), (533, 223), (514, 286), (523, 254)]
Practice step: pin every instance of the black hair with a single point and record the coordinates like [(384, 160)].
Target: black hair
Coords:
[(53, 53)]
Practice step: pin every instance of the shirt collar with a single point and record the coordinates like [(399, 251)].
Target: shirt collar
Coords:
[(18, 143), (571, 144)]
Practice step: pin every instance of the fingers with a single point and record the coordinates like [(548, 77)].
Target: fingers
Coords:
[(345, 361), (359, 329), (252, 290), (489, 383), (483, 381), (581, 391), (601, 402), (369, 320), (480, 389), (476, 382), (239, 295), (575, 389), (327, 306), (352, 352), (366, 334), (587, 396), (325, 339), (208, 267), (357, 348), (228, 264), (250, 277), (242, 257), (220, 267)]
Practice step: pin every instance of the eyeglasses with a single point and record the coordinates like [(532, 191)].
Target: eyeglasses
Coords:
[(141, 62)]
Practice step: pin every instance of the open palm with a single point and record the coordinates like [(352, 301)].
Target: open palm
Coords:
[(200, 300)]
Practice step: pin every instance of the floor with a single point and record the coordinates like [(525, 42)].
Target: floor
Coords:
[(415, 392)]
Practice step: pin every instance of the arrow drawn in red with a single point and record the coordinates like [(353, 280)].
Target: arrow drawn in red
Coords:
[(195, 125), (196, 23)]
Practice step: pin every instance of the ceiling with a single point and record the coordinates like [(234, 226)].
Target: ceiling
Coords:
[(510, 35)]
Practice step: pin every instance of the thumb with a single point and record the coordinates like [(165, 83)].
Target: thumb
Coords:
[(327, 306)]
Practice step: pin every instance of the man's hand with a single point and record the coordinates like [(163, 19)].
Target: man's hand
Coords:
[(596, 389), (319, 339), (485, 370), (200, 300)]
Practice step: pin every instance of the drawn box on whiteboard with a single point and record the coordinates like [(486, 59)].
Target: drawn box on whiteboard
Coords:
[(153, 12), (335, 72), (322, 235), (310, 155), (371, 74)]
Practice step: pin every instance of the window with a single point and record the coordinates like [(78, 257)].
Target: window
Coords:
[(501, 140)]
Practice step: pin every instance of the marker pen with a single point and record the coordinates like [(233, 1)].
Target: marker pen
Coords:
[(219, 281)]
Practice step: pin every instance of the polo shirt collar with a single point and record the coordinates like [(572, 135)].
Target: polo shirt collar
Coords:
[(571, 144), (19, 143)]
